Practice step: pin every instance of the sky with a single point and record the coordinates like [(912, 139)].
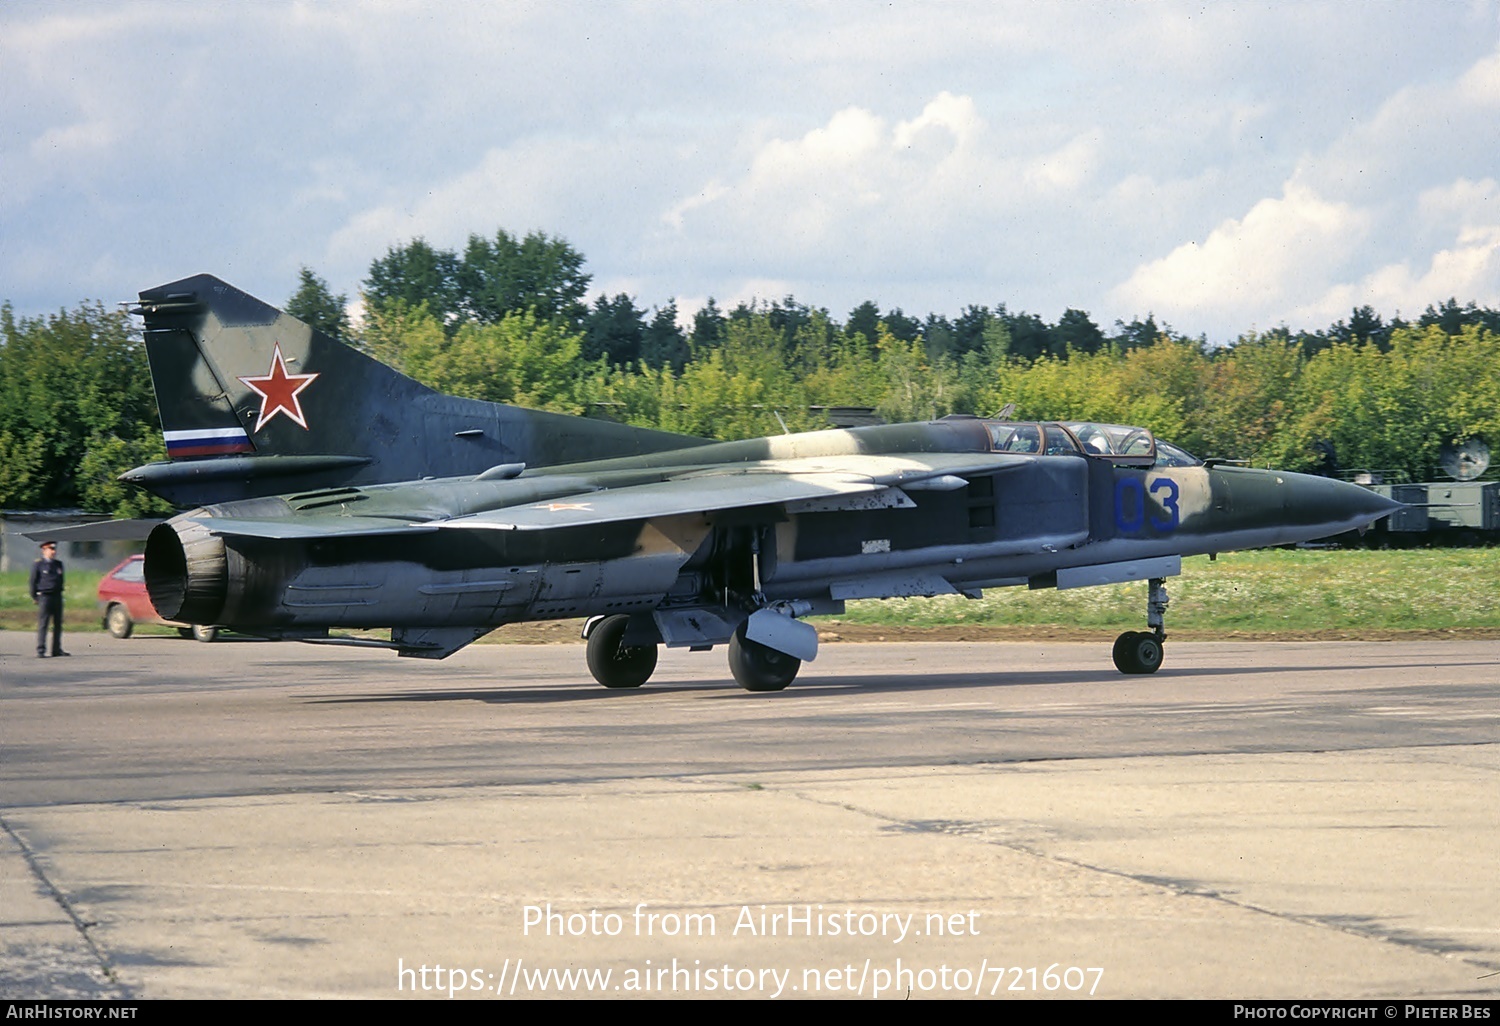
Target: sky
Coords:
[(1225, 167)]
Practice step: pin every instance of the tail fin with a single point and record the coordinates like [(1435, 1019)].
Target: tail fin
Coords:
[(255, 402)]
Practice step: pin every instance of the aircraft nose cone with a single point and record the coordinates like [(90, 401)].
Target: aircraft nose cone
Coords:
[(1274, 507), (1339, 505)]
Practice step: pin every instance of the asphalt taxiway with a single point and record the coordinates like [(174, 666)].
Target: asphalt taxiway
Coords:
[(243, 819)]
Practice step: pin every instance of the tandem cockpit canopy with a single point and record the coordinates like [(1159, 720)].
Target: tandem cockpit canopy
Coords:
[(1118, 443)]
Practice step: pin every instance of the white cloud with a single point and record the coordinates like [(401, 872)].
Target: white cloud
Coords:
[(863, 197), (1460, 201), (1262, 262), (559, 185), (675, 215), (855, 160), (1397, 211), (1480, 85), (69, 142), (1468, 270)]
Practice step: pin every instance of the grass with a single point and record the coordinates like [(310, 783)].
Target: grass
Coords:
[(1270, 592), (80, 608)]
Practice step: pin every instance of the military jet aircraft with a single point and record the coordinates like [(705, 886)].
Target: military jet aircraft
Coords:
[(335, 493)]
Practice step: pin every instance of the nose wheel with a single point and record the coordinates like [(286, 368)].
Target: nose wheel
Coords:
[(1141, 651), (1138, 652)]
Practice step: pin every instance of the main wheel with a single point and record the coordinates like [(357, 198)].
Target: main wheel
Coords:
[(1137, 652), (758, 668), (615, 664), (201, 632), (117, 619)]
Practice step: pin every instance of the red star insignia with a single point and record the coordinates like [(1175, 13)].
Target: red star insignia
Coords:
[(278, 392)]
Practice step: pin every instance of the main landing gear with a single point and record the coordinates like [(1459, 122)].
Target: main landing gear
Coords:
[(758, 667), (617, 662), (614, 663), (1141, 651)]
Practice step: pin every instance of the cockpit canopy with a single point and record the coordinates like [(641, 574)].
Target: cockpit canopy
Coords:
[(1118, 443)]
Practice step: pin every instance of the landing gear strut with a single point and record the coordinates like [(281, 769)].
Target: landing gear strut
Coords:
[(614, 663), (1141, 651)]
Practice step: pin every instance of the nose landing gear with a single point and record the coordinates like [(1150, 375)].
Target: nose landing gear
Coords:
[(1141, 651)]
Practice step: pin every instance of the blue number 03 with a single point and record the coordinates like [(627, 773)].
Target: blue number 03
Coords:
[(1168, 504), (1130, 504)]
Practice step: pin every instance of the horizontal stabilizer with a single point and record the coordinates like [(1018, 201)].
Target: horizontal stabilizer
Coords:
[(106, 530), (238, 468), (328, 527)]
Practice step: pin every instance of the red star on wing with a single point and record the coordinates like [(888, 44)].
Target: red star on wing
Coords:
[(278, 392)]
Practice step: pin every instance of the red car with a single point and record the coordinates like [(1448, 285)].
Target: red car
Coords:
[(123, 598)]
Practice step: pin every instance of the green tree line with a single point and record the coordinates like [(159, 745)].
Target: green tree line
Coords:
[(508, 320), (76, 410)]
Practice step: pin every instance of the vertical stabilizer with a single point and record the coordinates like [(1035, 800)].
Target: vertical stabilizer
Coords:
[(255, 402)]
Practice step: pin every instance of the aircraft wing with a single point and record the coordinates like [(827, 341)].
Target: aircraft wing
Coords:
[(702, 490), (756, 484)]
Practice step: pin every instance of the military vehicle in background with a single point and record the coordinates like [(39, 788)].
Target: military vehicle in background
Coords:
[(1464, 510)]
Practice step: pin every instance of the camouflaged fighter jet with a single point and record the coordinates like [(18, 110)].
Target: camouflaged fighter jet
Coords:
[(336, 493)]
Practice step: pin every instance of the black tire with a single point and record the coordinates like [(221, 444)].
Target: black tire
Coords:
[(614, 664), (185, 632), (758, 668), (1138, 652), (203, 632), (117, 620)]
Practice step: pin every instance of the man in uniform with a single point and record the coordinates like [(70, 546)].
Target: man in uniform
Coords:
[(47, 593)]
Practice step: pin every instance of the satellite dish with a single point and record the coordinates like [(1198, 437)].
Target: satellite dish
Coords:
[(1466, 460)]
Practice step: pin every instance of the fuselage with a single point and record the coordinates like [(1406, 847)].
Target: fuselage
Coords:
[(381, 556)]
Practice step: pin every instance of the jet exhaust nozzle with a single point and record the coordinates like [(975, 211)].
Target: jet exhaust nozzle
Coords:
[(186, 572)]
